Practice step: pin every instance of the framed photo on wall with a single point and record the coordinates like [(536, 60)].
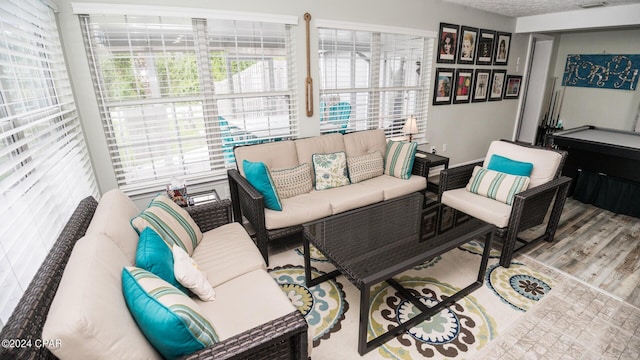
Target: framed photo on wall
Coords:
[(497, 84), (486, 40), (444, 86), (503, 43), (467, 45), (481, 85), (447, 43), (512, 90), (464, 80)]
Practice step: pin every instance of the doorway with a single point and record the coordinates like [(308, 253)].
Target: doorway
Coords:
[(531, 108)]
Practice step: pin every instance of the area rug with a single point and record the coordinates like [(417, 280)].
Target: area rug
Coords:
[(457, 332)]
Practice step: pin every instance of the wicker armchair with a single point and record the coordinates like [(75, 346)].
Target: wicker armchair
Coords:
[(530, 207), (282, 338)]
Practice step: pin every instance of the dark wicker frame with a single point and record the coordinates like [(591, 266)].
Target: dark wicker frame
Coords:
[(248, 204), (282, 338), (529, 209)]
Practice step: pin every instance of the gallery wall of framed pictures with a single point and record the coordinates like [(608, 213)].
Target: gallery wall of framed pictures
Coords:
[(466, 45)]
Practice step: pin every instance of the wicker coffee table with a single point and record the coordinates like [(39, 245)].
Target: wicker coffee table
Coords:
[(374, 243)]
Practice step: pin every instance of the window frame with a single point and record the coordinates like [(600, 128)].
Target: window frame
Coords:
[(374, 90), (222, 133), (45, 167)]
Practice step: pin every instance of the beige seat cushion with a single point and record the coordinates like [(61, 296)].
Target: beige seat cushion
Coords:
[(393, 187), (249, 300), (321, 203), (478, 206), (349, 197), (112, 217), (297, 210), (227, 252), (88, 314), (365, 142), (545, 162), (276, 155)]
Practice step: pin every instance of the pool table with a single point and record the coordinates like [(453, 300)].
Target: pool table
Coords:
[(599, 150)]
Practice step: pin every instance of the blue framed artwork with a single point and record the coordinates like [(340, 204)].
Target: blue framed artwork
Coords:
[(602, 71)]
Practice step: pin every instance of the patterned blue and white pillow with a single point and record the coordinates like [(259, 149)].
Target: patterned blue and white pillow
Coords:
[(170, 320), (330, 170)]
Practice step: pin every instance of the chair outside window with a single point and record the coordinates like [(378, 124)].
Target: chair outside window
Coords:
[(337, 117), (546, 192), (233, 136)]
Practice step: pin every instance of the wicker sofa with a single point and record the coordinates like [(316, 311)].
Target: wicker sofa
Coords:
[(266, 224), (96, 322)]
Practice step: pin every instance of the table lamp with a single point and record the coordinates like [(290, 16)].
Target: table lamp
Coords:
[(410, 127)]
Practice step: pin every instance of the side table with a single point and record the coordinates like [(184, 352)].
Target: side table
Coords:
[(433, 160)]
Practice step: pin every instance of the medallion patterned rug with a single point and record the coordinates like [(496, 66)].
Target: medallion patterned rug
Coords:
[(457, 332)]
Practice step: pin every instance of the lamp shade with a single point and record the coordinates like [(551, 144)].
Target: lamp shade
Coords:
[(410, 126)]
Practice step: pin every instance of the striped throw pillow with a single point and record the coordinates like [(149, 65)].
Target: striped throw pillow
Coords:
[(398, 161), (496, 185), (170, 320), (365, 166), (292, 182), (171, 222)]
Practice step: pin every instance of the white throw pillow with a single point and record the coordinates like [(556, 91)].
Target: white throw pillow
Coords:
[(190, 276)]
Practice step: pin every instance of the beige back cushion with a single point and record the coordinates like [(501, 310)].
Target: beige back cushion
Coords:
[(112, 217), (545, 162), (365, 142), (276, 155), (89, 314), (323, 144)]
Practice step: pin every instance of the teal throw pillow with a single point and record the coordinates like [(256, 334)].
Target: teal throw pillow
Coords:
[(259, 177), (509, 166), (330, 170), (170, 320), (155, 256), (398, 160)]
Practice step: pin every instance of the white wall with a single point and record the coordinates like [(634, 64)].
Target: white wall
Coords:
[(467, 129), (609, 108)]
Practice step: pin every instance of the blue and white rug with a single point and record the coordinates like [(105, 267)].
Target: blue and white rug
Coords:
[(457, 332)]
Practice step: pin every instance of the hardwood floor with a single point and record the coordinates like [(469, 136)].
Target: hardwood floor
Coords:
[(596, 246)]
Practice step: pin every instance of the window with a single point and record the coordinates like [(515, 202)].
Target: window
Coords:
[(372, 79), (177, 94), (45, 168)]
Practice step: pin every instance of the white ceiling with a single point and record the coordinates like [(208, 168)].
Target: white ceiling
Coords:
[(519, 8)]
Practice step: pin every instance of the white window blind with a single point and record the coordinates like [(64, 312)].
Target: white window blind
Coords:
[(177, 94), (44, 165), (371, 79)]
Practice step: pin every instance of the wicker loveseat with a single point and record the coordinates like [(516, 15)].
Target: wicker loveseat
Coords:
[(267, 224), (116, 336)]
